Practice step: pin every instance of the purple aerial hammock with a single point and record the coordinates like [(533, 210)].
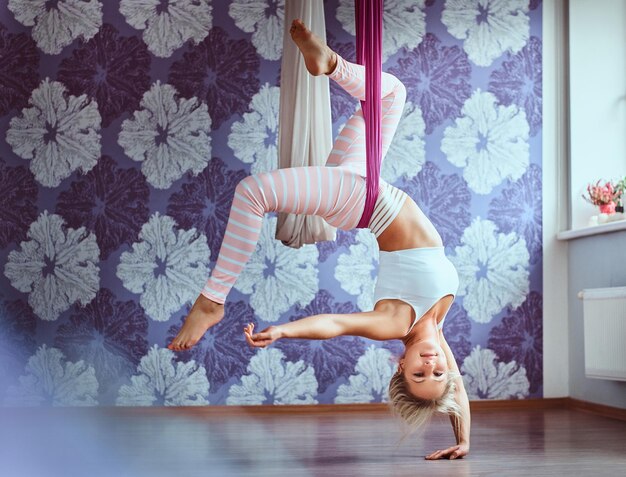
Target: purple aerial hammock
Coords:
[(368, 15)]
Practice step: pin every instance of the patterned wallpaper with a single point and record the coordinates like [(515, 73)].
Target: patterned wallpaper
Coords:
[(125, 127)]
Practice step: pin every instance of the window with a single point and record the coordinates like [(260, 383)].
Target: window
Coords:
[(597, 81)]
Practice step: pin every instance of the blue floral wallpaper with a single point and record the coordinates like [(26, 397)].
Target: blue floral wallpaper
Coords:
[(125, 127)]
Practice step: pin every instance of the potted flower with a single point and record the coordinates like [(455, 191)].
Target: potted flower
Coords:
[(620, 187), (604, 196)]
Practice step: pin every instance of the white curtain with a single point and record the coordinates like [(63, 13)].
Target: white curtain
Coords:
[(305, 133)]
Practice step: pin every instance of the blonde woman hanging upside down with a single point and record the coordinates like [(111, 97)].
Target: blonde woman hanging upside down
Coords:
[(416, 282)]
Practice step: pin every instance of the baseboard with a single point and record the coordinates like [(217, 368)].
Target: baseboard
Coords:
[(598, 409), (521, 404), (287, 409), (476, 406), (537, 404)]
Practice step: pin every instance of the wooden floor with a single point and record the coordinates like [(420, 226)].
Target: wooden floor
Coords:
[(504, 443)]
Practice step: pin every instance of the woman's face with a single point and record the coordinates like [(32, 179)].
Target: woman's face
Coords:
[(425, 369)]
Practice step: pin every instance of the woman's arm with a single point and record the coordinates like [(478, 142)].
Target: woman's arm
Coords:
[(461, 424), (376, 325)]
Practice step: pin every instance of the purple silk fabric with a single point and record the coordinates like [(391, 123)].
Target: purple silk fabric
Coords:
[(369, 44)]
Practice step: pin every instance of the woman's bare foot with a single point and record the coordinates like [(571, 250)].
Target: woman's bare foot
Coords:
[(204, 314), (318, 57)]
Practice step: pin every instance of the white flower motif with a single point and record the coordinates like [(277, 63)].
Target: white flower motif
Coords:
[(488, 27), (255, 139), (52, 381), (165, 267), (56, 266), (404, 23), (59, 133), (169, 136), (374, 371), (272, 380), (406, 154), (57, 24), (163, 382), (355, 269), (265, 21), (493, 270), (490, 142), (487, 378), (278, 277), (168, 24)]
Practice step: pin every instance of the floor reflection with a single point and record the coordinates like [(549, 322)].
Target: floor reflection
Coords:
[(159, 442)]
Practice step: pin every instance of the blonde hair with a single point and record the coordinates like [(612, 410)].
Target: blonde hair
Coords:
[(415, 411)]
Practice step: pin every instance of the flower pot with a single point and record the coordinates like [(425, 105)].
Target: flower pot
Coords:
[(607, 208)]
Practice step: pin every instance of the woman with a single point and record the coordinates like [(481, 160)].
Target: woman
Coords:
[(416, 282)]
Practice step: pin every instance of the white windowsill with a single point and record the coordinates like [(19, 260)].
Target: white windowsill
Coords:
[(593, 230)]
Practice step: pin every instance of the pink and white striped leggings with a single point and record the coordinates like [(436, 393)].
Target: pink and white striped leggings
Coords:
[(335, 191)]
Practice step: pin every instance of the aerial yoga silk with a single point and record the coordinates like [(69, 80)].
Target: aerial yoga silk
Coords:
[(305, 135), (369, 41)]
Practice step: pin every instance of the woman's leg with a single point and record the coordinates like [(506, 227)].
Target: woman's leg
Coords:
[(333, 193), (349, 147)]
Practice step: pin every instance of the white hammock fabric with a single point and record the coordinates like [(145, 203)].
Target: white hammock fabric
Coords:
[(305, 131)]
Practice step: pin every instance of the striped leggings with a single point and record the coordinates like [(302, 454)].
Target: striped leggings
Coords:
[(335, 191)]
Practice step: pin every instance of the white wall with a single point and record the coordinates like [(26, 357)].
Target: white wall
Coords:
[(555, 210), (597, 46), (594, 262)]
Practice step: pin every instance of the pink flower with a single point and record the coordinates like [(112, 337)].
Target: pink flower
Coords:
[(602, 194)]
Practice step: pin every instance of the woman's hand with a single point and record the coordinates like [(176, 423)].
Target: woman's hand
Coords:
[(262, 339), (454, 452)]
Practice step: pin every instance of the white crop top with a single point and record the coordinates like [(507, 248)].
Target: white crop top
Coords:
[(417, 276)]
